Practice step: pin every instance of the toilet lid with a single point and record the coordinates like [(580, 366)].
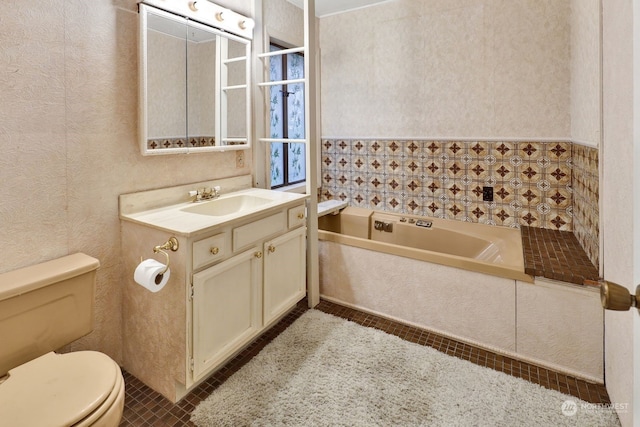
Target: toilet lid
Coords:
[(57, 389)]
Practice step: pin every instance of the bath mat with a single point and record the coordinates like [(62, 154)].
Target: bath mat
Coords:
[(326, 371)]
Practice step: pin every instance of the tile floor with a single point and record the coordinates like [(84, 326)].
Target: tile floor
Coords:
[(144, 407)]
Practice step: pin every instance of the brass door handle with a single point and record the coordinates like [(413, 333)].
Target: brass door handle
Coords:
[(300, 215), (616, 297), (258, 254), (271, 249), (214, 250)]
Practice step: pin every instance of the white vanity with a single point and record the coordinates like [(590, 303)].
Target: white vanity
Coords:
[(239, 267)]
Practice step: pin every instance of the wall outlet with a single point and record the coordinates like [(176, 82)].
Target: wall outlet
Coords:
[(239, 159), (487, 194)]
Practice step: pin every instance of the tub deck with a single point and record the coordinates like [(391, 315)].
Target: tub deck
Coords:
[(556, 255)]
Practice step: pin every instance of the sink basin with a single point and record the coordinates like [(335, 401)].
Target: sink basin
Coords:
[(227, 205)]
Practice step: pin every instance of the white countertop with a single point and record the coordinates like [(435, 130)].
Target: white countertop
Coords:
[(174, 219)]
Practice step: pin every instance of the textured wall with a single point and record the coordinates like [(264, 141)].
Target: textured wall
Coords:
[(586, 115), (585, 72), (285, 21), (69, 144), (618, 193), (441, 68)]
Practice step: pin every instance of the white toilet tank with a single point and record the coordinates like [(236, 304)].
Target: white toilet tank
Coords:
[(44, 307)]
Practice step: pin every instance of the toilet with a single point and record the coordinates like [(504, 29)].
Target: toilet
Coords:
[(43, 308)]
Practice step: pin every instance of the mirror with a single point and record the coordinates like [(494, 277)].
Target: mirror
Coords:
[(194, 94)]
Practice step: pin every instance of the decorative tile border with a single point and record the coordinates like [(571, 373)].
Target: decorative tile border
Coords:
[(585, 200), (531, 180), (194, 141)]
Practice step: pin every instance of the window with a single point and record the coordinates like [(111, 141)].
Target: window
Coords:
[(288, 165)]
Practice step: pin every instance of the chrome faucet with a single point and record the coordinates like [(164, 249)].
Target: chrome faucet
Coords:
[(205, 193)]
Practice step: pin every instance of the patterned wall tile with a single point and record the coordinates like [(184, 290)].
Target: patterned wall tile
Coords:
[(532, 181), (585, 186)]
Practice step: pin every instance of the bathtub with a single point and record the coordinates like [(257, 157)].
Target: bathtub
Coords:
[(461, 280), (475, 247)]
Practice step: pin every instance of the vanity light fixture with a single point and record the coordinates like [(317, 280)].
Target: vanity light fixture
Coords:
[(246, 24), (208, 13)]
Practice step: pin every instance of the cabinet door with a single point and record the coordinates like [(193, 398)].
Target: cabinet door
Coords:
[(226, 309), (284, 273)]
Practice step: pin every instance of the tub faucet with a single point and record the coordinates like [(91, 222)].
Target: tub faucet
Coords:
[(205, 193)]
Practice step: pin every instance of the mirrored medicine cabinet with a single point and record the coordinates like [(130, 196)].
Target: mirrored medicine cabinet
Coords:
[(194, 86)]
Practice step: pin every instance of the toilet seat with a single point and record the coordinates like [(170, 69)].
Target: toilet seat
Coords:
[(61, 389)]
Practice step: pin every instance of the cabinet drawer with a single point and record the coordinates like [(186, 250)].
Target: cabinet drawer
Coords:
[(258, 230), (296, 216), (209, 250)]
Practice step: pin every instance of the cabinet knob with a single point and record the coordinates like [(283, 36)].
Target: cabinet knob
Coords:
[(271, 249), (214, 250), (258, 254), (300, 215)]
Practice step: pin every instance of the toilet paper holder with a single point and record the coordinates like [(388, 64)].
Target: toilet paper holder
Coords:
[(171, 244)]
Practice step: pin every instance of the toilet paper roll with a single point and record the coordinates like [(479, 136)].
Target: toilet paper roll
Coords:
[(148, 275)]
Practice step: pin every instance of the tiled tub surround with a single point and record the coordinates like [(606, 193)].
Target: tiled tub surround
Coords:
[(549, 323), (445, 178), (533, 182), (585, 187)]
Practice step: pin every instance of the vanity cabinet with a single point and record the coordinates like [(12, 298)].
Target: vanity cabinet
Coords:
[(231, 278), (284, 274), (235, 300), (244, 278), (226, 309)]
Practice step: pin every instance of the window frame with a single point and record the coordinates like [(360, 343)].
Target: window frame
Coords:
[(285, 131)]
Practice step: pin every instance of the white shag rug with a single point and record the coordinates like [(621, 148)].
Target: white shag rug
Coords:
[(327, 371)]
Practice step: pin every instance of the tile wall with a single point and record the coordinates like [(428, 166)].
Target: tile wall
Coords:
[(532, 181), (585, 186)]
